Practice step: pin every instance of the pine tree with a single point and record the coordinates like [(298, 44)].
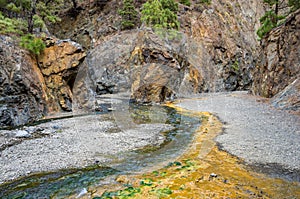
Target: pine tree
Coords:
[(272, 18), (160, 14), (35, 12), (129, 15), (21, 17), (268, 21)]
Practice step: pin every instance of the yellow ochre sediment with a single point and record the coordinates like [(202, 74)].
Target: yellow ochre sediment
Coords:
[(204, 171)]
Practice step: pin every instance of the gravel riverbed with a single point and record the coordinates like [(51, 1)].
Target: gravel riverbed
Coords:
[(264, 137), (72, 143)]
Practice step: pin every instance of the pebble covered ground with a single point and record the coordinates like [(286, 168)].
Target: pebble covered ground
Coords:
[(71, 143), (203, 171), (262, 136)]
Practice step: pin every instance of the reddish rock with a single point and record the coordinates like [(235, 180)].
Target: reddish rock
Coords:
[(59, 66), (31, 89)]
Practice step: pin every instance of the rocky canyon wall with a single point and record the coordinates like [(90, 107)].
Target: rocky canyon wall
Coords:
[(278, 70), (214, 51), (226, 34), (279, 60), (32, 87), (59, 66)]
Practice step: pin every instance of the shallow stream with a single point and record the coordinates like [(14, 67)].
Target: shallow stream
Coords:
[(71, 181)]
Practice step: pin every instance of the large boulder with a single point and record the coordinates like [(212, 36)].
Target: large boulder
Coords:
[(153, 67), (279, 61)]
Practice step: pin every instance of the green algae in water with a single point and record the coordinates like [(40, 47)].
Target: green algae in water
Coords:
[(55, 184)]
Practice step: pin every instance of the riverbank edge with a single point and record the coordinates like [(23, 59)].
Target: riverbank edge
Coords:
[(218, 173)]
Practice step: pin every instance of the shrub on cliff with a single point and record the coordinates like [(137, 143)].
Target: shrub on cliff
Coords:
[(33, 44), (160, 14), (129, 15), (268, 21)]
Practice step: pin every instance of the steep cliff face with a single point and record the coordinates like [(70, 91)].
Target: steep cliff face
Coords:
[(91, 21), (226, 33), (21, 92), (215, 51), (153, 67), (30, 87), (279, 60), (277, 74)]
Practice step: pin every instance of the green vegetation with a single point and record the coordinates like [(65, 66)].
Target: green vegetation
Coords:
[(121, 194), (33, 44), (272, 18), (294, 4), (9, 26), (164, 192), (151, 183), (34, 12), (146, 182), (268, 21), (129, 15), (235, 66), (24, 17), (185, 2), (160, 14), (205, 1), (171, 164)]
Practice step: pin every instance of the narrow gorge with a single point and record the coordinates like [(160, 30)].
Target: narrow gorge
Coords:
[(110, 109)]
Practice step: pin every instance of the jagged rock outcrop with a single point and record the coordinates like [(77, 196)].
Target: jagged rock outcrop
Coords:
[(21, 92), (59, 66), (153, 67), (30, 87), (279, 64)]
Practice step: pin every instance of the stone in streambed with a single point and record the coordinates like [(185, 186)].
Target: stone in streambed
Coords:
[(22, 134)]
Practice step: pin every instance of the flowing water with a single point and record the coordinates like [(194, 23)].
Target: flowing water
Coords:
[(71, 181)]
